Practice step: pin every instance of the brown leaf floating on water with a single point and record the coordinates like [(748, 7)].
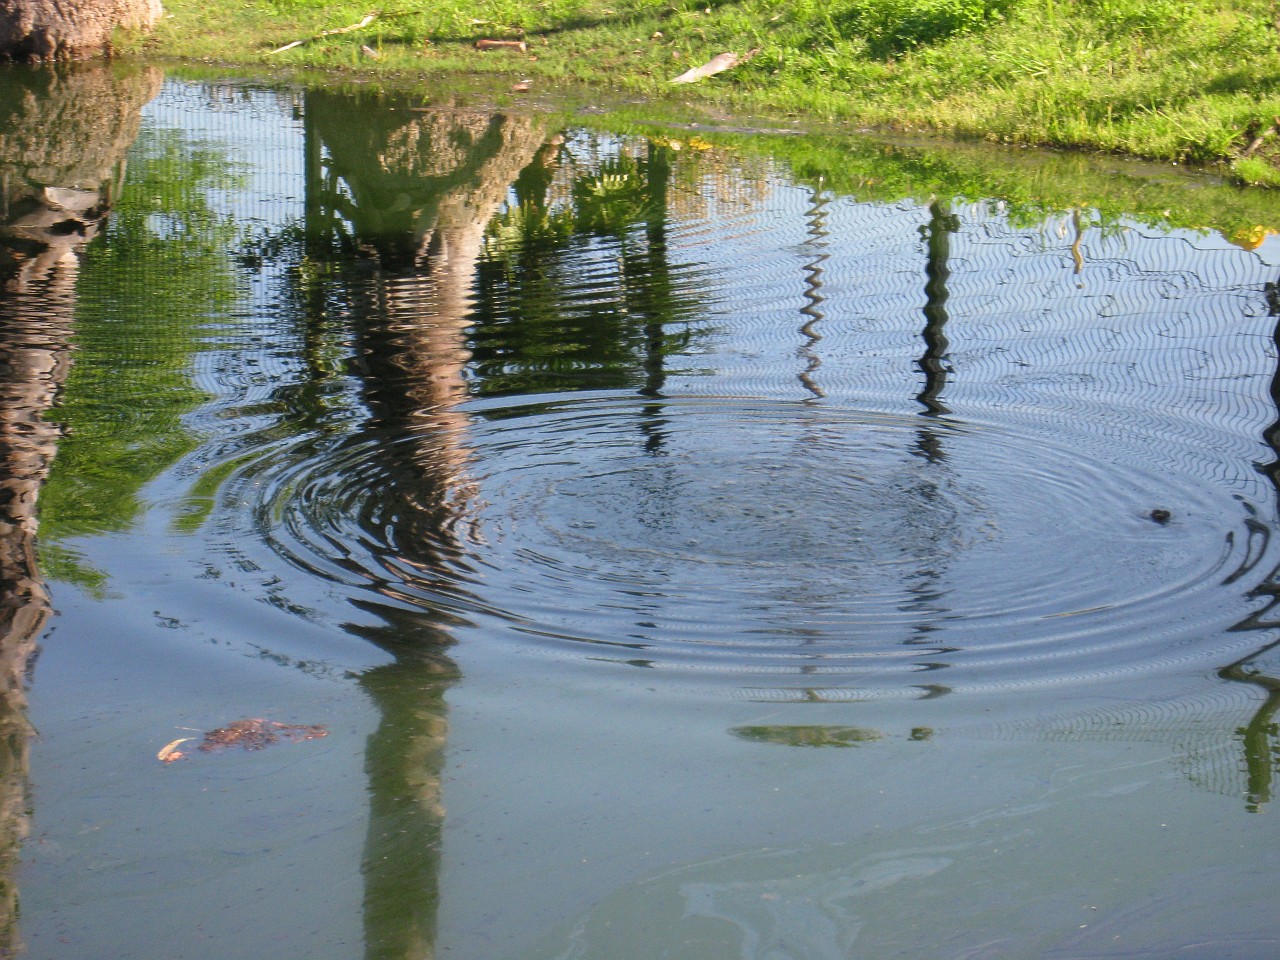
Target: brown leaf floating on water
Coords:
[(250, 734), (254, 734), (170, 752)]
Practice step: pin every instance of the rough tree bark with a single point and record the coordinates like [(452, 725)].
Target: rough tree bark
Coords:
[(48, 30)]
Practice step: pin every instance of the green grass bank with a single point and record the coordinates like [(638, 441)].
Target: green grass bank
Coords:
[(1185, 81)]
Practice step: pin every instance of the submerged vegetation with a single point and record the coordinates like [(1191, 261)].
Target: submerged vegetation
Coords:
[(1187, 81)]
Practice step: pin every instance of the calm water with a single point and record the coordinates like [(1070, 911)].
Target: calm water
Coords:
[(697, 545)]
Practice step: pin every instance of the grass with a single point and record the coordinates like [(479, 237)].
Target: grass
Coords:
[(1185, 81)]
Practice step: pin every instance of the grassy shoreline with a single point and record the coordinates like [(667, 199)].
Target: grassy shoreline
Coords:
[(1180, 81)]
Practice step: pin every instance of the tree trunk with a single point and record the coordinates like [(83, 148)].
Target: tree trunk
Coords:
[(47, 30)]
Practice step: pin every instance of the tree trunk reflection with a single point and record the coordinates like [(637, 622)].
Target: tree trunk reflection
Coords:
[(63, 136), (1259, 738), (411, 192)]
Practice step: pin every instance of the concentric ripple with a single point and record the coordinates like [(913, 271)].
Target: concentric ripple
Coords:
[(795, 547)]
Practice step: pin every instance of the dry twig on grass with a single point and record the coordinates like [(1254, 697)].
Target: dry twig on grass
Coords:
[(518, 46), (369, 18)]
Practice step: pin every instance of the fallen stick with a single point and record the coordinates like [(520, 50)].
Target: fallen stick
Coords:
[(327, 33), (517, 45), (1262, 138)]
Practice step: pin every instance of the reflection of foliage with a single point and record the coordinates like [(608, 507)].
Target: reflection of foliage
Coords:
[(160, 271), (615, 198), (1031, 185), (1259, 739), (527, 225), (607, 202), (1260, 744), (809, 736), (575, 290)]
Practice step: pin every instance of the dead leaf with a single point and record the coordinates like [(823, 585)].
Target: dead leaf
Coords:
[(170, 752), (521, 87), (717, 64), (255, 734), (368, 51)]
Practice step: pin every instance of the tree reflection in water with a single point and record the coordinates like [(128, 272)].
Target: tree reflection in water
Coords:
[(1260, 737), (406, 210), (1258, 740), (410, 193), (63, 136), (440, 310), (399, 202)]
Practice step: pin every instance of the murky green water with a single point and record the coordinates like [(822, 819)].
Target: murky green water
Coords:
[(695, 545)]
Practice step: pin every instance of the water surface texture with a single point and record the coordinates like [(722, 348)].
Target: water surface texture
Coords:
[(692, 545)]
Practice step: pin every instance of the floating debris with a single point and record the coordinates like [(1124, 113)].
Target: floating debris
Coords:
[(809, 736), (170, 752), (250, 734), (256, 734)]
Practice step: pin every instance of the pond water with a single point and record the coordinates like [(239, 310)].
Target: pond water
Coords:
[(694, 544)]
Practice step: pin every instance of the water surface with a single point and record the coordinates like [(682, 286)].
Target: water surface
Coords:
[(695, 545)]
